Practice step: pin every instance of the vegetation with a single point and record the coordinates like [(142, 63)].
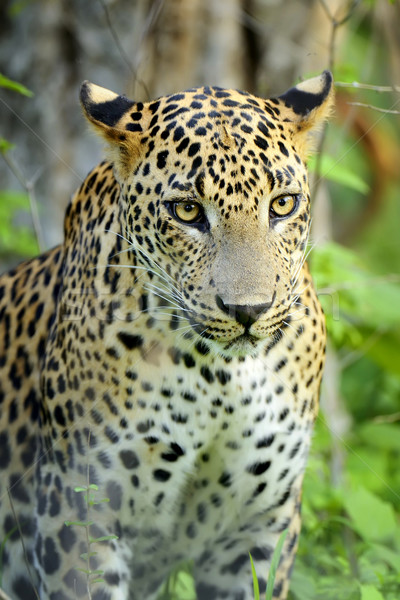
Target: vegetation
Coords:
[(350, 544), (92, 575)]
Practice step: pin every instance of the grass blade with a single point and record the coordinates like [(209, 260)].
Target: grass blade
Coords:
[(256, 589), (274, 564)]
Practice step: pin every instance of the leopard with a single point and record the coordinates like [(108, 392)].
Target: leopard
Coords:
[(161, 368)]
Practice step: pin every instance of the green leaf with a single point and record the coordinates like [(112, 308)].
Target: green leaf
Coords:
[(385, 351), (302, 584), (383, 553), (11, 200), (369, 592), (5, 82), (90, 572), (331, 168), (79, 523), (274, 564), (17, 7), (80, 489), (347, 72), (383, 436), (103, 538), (184, 586), (5, 146), (361, 308), (256, 589), (93, 502), (87, 555), (86, 571), (373, 518), (15, 239)]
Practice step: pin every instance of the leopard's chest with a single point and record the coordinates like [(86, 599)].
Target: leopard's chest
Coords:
[(208, 444)]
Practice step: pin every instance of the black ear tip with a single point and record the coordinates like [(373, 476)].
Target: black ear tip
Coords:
[(84, 94), (328, 79), (309, 94)]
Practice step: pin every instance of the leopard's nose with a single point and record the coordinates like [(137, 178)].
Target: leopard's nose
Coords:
[(245, 314)]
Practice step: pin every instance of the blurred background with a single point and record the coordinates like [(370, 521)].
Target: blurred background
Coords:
[(350, 545)]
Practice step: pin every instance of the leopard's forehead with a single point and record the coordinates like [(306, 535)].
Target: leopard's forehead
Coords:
[(202, 111), (221, 133)]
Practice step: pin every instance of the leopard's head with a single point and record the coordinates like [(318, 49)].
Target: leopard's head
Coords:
[(215, 199)]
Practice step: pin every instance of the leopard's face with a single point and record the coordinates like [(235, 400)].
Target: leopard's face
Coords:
[(215, 202)]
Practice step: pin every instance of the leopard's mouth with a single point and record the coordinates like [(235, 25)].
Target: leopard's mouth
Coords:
[(243, 345), (242, 342)]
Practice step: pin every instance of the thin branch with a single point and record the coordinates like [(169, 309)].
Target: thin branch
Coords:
[(89, 591), (349, 13), (3, 596), (326, 9), (151, 19), (368, 86), (334, 20), (116, 39), (23, 543), (29, 186), (335, 24), (120, 47), (377, 108)]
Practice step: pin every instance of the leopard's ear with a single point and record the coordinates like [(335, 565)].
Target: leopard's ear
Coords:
[(307, 106), (117, 119)]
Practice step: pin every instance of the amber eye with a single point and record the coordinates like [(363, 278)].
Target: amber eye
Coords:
[(187, 212), (283, 206)]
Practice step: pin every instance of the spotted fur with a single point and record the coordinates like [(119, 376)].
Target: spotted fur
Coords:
[(170, 351)]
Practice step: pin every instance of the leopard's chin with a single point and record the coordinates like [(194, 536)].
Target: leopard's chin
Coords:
[(241, 346)]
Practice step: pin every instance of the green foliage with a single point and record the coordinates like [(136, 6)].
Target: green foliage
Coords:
[(5, 146), (350, 544), (16, 238), (9, 84), (92, 575), (361, 308), (180, 585), (383, 525), (17, 6), (256, 588), (335, 170), (274, 564)]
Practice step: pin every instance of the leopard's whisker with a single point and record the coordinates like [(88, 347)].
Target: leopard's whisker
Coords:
[(171, 301), (164, 290)]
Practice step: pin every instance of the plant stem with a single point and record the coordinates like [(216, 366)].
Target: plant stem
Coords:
[(387, 111), (335, 24), (88, 543), (29, 185), (368, 86)]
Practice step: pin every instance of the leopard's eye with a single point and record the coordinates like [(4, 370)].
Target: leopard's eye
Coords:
[(187, 212), (283, 206)]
